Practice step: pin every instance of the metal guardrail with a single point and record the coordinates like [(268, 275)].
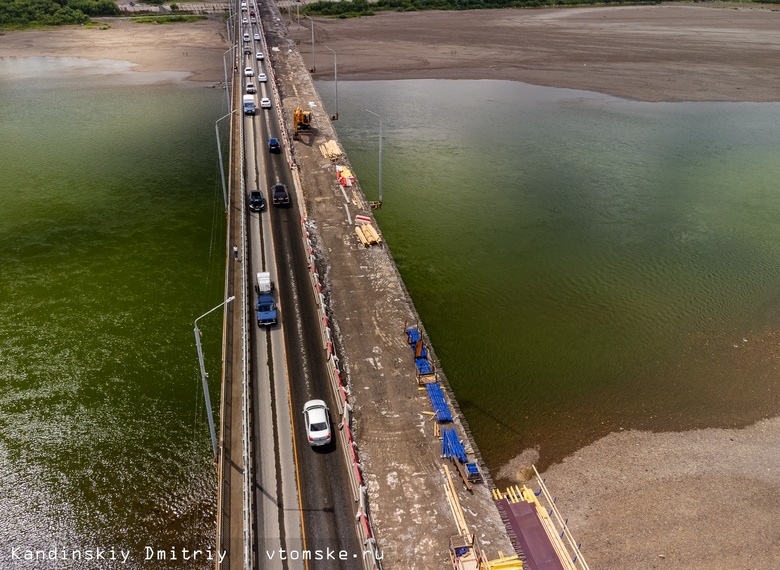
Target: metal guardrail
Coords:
[(571, 554), (246, 435)]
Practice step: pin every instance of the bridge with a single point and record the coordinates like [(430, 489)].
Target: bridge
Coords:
[(382, 494)]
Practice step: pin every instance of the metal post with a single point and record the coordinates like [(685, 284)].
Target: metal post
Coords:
[(336, 81), (219, 152), (313, 52), (204, 375), (380, 154), (298, 14), (227, 87), (230, 29)]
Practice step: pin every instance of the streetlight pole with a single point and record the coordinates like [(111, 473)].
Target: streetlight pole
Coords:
[(224, 65), (336, 81), (313, 52), (219, 152), (380, 154), (204, 375), (229, 27)]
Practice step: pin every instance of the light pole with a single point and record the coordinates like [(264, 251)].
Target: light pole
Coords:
[(336, 81), (219, 152), (313, 52), (229, 28), (224, 65), (380, 154), (204, 375)]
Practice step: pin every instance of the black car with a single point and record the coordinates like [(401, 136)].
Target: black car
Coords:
[(281, 197), (256, 201)]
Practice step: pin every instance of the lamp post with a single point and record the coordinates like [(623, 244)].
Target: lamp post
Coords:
[(204, 375), (336, 81), (313, 52), (380, 154), (229, 27), (219, 152), (224, 65)]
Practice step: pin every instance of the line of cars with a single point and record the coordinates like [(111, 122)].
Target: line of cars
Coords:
[(250, 107), (315, 412)]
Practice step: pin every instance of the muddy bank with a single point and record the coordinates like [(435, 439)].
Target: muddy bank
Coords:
[(673, 52)]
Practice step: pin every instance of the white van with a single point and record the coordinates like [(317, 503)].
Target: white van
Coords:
[(249, 105)]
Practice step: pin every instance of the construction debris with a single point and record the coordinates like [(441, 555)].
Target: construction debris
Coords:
[(331, 150), (367, 235), (345, 176)]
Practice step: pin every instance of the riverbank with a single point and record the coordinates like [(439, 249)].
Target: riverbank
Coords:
[(195, 48), (674, 52)]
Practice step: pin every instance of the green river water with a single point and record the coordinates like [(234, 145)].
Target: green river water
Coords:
[(581, 263), (111, 244)]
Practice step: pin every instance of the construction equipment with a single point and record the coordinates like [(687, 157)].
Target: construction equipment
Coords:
[(301, 122)]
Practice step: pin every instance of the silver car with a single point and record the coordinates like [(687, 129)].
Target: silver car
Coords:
[(315, 414)]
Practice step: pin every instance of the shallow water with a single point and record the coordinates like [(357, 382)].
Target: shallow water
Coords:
[(582, 263), (111, 244)]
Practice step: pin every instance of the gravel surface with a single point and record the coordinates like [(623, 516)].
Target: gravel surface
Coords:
[(705, 499)]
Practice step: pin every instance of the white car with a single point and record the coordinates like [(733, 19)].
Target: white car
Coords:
[(249, 72), (260, 56), (315, 414), (265, 103), (246, 37), (250, 88), (244, 21), (262, 78), (257, 37)]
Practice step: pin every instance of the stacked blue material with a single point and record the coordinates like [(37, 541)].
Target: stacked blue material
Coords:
[(438, 403), (421, 362), (423, 366), (451, 446)]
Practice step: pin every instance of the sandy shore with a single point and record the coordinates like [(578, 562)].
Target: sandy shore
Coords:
[(196, 48), (695, 500), (655, 53)]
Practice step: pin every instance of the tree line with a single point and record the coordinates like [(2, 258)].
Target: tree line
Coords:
[(25, 13), (355, 8)]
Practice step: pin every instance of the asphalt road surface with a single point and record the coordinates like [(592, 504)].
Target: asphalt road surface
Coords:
[(301, 494)]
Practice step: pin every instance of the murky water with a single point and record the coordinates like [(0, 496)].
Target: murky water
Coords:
[(111, 244), (582, 263)]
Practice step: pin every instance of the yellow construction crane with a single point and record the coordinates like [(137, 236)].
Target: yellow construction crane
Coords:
[(301, 122)]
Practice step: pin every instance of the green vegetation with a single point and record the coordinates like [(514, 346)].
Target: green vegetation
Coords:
[(355, 8), (29, 13), (167, 19)]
